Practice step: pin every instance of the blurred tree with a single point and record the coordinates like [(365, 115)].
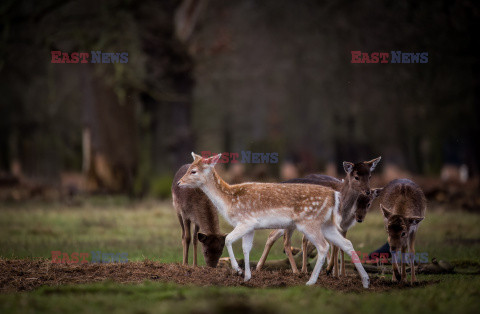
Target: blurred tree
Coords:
[(269, 75)]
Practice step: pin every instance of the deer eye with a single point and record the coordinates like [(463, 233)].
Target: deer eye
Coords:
[(193, 172), (356, 178), (404, 234)]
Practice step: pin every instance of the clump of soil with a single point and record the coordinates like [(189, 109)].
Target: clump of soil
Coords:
[(25, 275)]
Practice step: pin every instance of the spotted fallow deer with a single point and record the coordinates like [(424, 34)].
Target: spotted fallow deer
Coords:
[(403, 205), (194, 207), (355, 199), (312, 209)]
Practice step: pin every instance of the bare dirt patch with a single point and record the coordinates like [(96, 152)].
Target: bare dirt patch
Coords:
[(26, 275)]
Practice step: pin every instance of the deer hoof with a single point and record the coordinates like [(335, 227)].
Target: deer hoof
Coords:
[(366, 282), (311, 282)]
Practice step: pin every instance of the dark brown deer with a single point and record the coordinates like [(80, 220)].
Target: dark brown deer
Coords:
[(194, 207), (356, 183), (403, 205)]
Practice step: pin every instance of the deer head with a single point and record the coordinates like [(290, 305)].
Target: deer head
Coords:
[(199, 171), (212, 246), (398, 227), (364, 202), (358, 174)]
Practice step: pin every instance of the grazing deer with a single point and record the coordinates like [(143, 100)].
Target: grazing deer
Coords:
[(355, 199), (312, 209), (193, 206), (403, 205)]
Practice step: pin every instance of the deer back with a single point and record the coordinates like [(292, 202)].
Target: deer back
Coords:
[(404, 197)]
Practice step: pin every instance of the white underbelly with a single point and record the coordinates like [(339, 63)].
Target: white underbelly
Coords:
[(273, 222)]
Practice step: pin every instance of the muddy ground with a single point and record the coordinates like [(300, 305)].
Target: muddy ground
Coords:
[(26, 275)]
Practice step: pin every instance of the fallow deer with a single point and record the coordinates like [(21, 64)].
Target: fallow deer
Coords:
[(194, 207), (363, 204), (356, 198), (403, 206), (312, 209)]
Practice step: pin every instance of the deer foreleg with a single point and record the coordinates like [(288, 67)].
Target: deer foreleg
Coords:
[(342, 255), (304, 254), (195, 242), (332, 234), (186, 240), (396, 272), (404, 264), (247, 242), (331, 263), (288, 249), (411, 246), (237, 233), (335, 262)]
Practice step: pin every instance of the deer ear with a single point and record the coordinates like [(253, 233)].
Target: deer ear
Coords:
[(373, 163), (212, 161), (414, 220), (195, 156), (376, 192), (386, 213), (347, 166), (202, 237)]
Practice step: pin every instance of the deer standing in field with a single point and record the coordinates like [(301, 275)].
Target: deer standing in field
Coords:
[(363, 204), (355, 199), (312, 209), (194, 207), (403, 205)]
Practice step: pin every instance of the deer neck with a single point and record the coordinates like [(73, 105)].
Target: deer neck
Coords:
[(208, 221), (348, 204), (219, 193)]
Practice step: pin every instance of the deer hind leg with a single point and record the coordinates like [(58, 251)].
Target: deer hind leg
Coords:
[(304, 254), (272, 238), (195, 242), (322, 250), (247, 243), (288, 249), (332, 234), (411, 246), (314, 235), (237, 233)]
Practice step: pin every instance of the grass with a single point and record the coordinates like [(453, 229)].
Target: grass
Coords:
[(150, 230)]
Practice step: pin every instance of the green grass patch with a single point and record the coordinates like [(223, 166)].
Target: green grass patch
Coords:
[(150, 229)]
